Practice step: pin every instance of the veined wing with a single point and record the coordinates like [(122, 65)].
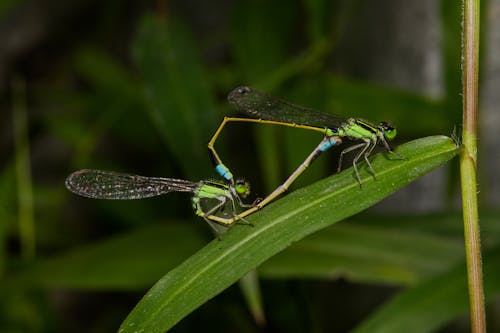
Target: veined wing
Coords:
[(98, 184), (259, 105)]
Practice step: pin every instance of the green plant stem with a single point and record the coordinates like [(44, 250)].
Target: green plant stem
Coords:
[(23, 173), (468, 162)]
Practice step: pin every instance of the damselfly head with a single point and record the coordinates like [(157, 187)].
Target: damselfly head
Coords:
[(388, 130), (242, 187)]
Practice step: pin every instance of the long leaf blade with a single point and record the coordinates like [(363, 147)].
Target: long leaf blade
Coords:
[(221, 263)]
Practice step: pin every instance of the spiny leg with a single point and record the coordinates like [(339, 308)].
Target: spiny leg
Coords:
[(216, 227), (392, 152), (367, 154), (356, 159), (222, 202), (219, 224), (242, 220), (398, 156), (238, 218), (347, 150)]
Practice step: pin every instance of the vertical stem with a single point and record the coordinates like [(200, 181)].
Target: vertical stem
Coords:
[(23, 173), (468, 161)]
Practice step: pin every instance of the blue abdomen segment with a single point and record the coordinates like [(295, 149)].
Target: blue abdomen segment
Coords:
[(224, 172), (328, 143)]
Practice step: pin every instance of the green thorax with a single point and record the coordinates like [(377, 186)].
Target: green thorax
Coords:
[(211, 190), (208, 190), (358, 129)]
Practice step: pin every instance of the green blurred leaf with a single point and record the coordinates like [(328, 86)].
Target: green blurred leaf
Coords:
[(130, 261), (221, 263), (319, 18), (25, 217), (182, 107), (430, 305), (110, 104), (250, 287), (412, 114), (108, 76), (266, 138), (24, 310), (395, 248), (366, 253), (261, 32), (7, 208), (448, 225), (361, 250)]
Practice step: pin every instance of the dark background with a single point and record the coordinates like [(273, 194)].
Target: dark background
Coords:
[(140, 86)]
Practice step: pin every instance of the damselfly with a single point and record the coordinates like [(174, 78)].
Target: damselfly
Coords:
[(266, 109), (210, 198)]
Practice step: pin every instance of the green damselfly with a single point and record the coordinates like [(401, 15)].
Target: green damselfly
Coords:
[(265, 109), (210, 198)]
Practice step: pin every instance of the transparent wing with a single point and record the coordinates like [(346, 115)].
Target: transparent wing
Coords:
[(98, 184), (259, 105)]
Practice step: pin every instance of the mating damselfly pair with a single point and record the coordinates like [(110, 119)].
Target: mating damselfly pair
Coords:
[(219, 202)]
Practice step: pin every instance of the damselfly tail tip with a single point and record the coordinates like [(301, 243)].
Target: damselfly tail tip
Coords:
[(73, 180), (69, 183)]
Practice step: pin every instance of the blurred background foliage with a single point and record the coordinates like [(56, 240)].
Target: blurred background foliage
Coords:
[(140, 86)]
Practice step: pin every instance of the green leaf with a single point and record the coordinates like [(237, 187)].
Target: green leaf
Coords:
[(361, 250), (261, 32), (319, 18), (250, 288), (269, 158), (182, 106), (26, 219), (7, 209), (106, 75), (366, 253), (221, 263), (126, 262), (430, 305), (411, 113)]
